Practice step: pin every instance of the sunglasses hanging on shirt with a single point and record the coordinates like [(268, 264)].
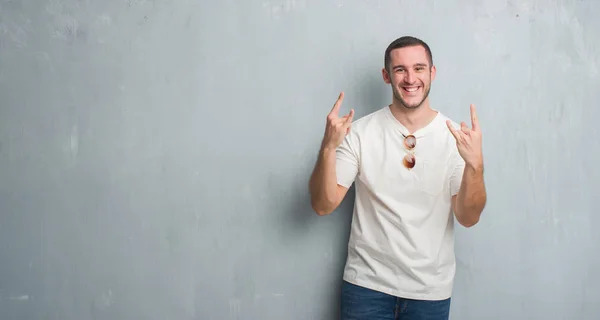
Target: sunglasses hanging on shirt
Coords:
[(409, 159)]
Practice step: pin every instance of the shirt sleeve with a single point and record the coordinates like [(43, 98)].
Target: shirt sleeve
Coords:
[(347, 160), (457, 173)]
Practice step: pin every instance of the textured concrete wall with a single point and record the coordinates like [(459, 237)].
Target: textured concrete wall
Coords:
[(154, 155)]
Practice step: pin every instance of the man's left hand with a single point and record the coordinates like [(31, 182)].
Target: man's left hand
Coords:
[(468, 141)]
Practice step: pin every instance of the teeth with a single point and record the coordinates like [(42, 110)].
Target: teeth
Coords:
[(411, 89)]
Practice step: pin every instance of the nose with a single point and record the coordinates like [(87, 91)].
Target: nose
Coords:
[(409, 76)]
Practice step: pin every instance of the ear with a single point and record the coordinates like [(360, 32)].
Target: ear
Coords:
[(433, 71), (385, 75)]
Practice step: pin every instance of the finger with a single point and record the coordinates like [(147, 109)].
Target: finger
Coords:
[(349, 117), (464, 128), (474, 120), (454, 132), (344, 119), (350, 114), (336, 106)]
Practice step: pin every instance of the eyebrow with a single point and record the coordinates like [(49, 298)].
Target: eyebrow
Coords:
[(416, 65)]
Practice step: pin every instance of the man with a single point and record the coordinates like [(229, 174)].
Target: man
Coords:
[(414, 171)]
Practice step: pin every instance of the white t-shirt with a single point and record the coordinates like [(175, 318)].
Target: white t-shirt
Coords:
[(402, 233)]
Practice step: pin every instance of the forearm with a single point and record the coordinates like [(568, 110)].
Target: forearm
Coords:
[(472, 197), (323, 182)]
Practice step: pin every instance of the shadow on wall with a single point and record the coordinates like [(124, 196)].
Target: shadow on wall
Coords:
[(293, 215), (332, 231), (373, 94), (294, 227), (292, 222), (292, 200), (345, 211)]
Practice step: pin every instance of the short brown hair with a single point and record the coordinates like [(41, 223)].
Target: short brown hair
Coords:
[(406, 41)]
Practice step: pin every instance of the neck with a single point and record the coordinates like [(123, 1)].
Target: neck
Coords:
[(413, 119)]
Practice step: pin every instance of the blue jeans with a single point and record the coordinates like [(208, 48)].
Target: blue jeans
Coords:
[(359, 303)]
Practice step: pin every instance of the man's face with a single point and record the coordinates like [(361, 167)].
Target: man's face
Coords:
[(410, 75)]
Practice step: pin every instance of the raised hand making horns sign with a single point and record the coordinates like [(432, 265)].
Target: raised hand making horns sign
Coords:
[(337, 127), (468, 140)]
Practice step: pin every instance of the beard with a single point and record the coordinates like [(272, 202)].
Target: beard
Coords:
[(405, 103)]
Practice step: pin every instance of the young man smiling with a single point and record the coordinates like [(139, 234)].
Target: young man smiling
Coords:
[(414, 171)]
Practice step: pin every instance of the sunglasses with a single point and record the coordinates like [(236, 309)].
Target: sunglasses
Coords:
[(409, 159)]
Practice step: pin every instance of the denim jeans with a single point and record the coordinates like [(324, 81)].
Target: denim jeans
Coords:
[(359, 303)]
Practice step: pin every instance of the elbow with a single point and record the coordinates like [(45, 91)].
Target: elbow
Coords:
[(322, 213), (316, 203), (320, 209), (468, 223), (468, 219), (324, 204), (468, 216)]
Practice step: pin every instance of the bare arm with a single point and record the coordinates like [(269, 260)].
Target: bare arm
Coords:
[(471, 198), (325, 193)]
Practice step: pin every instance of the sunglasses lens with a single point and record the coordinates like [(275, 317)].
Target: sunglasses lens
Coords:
[(409, 161), (410, 141)]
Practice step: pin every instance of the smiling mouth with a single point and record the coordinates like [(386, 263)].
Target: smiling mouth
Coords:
[(411, 89)]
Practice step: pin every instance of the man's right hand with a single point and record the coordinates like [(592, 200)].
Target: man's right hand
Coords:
[(337, 128)]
